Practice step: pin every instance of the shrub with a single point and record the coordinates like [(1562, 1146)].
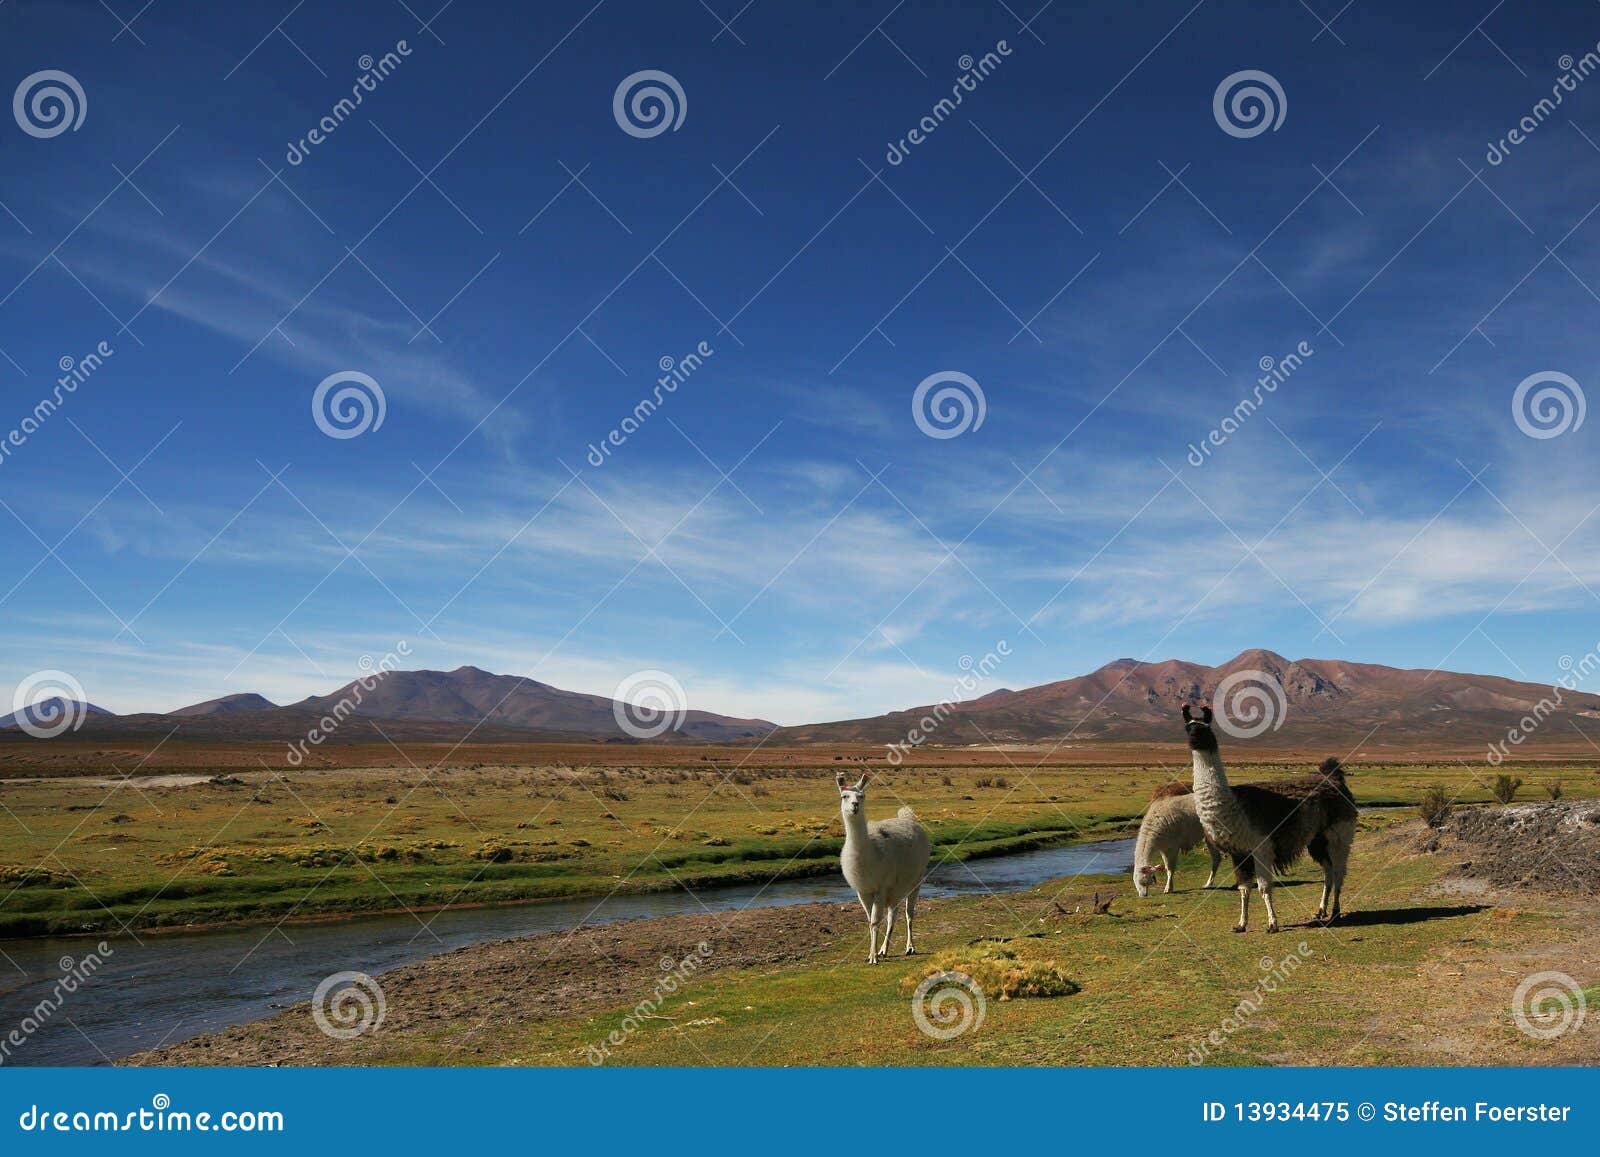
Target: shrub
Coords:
[(1435, 806), (1553, 789), (1504, 788), (998, 971)]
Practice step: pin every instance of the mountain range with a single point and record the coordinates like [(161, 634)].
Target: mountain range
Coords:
[(418, 706), (1306, 702)]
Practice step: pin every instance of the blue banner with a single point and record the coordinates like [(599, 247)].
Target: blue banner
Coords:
[(795, 1111)]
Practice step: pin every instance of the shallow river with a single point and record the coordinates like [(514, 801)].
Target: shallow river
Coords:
[(176, 985)]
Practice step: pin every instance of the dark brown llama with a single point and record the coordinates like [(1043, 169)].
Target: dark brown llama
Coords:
[(1266, 827)]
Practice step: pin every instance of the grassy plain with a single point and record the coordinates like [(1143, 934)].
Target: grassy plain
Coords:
[(386, 829)]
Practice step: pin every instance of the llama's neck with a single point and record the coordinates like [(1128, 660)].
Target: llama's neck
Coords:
[(855, 829), (1218, 808)]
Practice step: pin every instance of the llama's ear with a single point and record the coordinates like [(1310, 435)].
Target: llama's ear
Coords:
[(861, 784), (838, 778), (1186, 715), (1205, 714)]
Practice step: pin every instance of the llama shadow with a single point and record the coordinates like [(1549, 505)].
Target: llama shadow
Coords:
[(1385, 916)]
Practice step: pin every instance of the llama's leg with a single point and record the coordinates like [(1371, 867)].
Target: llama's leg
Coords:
[(888, 927), (1339, 853), (1216, 859), (911, 912), (1241, 880), (871, 907), (1319, 851), (1166, 862), (1264, 886)]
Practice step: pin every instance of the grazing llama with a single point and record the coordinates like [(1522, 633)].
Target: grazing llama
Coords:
[(884, 862), (1266, 827), (1171, 826)]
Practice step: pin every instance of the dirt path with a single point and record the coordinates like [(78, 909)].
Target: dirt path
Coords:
[(554, 974)]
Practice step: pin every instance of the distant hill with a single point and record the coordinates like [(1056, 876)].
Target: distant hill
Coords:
[(46, 710), (417, 706), (244, 701), (1323, 701)]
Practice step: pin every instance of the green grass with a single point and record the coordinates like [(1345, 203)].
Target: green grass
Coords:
[(1155, 983), (77, 858)]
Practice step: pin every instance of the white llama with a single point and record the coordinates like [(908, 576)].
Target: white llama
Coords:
[(1171, 826), (1266, 827), (884, 862)]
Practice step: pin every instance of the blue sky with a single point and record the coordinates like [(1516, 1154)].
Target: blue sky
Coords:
[(1079, 236)]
